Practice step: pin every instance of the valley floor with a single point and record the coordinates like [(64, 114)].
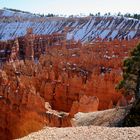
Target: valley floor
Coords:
[(85, 133)]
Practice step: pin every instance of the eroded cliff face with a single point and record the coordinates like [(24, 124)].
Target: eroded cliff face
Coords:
[(21, 108), (62, 83)]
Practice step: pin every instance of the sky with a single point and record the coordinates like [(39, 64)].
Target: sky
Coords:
[(74, 7)]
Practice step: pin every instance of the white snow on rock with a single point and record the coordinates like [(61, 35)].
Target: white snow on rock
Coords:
[(14, 24)]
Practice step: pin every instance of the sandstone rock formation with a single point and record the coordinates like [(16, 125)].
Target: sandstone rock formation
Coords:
[(69, 80), (86, 104), (21, 109)]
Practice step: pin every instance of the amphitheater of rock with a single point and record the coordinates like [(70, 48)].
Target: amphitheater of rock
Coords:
[(45, 80)]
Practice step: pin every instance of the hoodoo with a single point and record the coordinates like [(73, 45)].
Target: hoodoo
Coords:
[(64, 72), (45, 82)]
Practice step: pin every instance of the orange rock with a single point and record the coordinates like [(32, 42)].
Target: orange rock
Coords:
[(71, 80), (74, 108), (110, 105), (86, 104)]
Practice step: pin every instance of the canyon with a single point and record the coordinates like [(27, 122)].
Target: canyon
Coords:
[(47, 76), (62, 82)]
